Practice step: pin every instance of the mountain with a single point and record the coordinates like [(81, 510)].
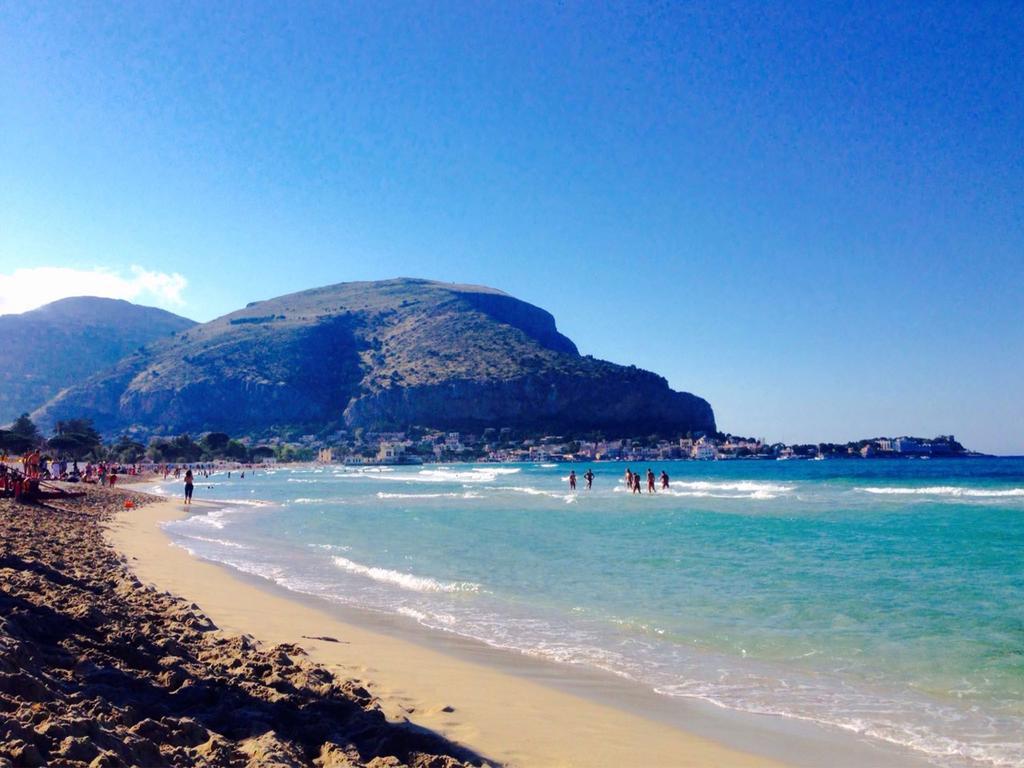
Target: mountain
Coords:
[(379, 355), (69, 340)]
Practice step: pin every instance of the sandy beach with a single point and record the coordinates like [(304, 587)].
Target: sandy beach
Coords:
[(508, 719), (506, 707), (97, 669)]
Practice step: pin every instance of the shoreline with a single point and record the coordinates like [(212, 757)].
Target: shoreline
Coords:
[(512, 708)]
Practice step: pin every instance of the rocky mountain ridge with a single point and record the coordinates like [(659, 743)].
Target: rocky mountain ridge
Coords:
[(378, 355), (64, 342)]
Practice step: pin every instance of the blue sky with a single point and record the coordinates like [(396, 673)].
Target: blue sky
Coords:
[(810, 215)]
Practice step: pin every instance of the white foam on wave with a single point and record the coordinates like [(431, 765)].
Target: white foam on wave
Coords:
[(465, 495), (333, 501), (448, 475), (760, 495), (215, 518), (530, 491), (404, 580), (864, 714), (752, 690), (434, 619), (748, 486), (946, 490), (246, 502), (331, 547), (220, 542)]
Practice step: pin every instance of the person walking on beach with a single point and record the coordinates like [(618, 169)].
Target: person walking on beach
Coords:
[(650, 480), (664, 480), (572, 480), (188, 487), (589, 477)]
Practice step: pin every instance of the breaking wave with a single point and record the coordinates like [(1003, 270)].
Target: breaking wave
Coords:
[(407, 581), (466, 495), (953, 491)]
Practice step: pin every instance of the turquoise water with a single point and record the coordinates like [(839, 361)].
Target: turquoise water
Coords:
[(880, 597)]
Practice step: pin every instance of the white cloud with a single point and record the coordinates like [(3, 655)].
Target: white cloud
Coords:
[(25, 289)]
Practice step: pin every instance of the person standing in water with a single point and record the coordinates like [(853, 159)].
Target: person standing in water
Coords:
[(650, 480), (572, 480), (664, 480), (589, 477), (189, 485), (636, 482), (629, 479)]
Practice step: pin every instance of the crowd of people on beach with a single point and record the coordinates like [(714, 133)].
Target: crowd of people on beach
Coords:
[(20, 476), (36, 465), (631, 479)]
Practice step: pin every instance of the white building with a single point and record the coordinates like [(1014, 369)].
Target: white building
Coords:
[(909, 445), (704, 450), (390, 453)]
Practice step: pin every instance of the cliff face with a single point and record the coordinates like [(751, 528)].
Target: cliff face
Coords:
[(638, 402), (69, 340), (379, 355)]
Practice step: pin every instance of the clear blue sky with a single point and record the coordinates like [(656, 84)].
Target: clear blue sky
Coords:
[(812, 215)]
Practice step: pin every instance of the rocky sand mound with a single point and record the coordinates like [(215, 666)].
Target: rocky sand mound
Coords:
[(97, 669)]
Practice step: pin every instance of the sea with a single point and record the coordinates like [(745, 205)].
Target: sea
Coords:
[(879, 597)]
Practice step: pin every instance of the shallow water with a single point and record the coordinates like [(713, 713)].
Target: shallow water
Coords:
[(884, 597)]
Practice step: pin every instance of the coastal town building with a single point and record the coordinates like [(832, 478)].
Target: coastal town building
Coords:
[(704, 450), (910, 445), (390, 453)]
